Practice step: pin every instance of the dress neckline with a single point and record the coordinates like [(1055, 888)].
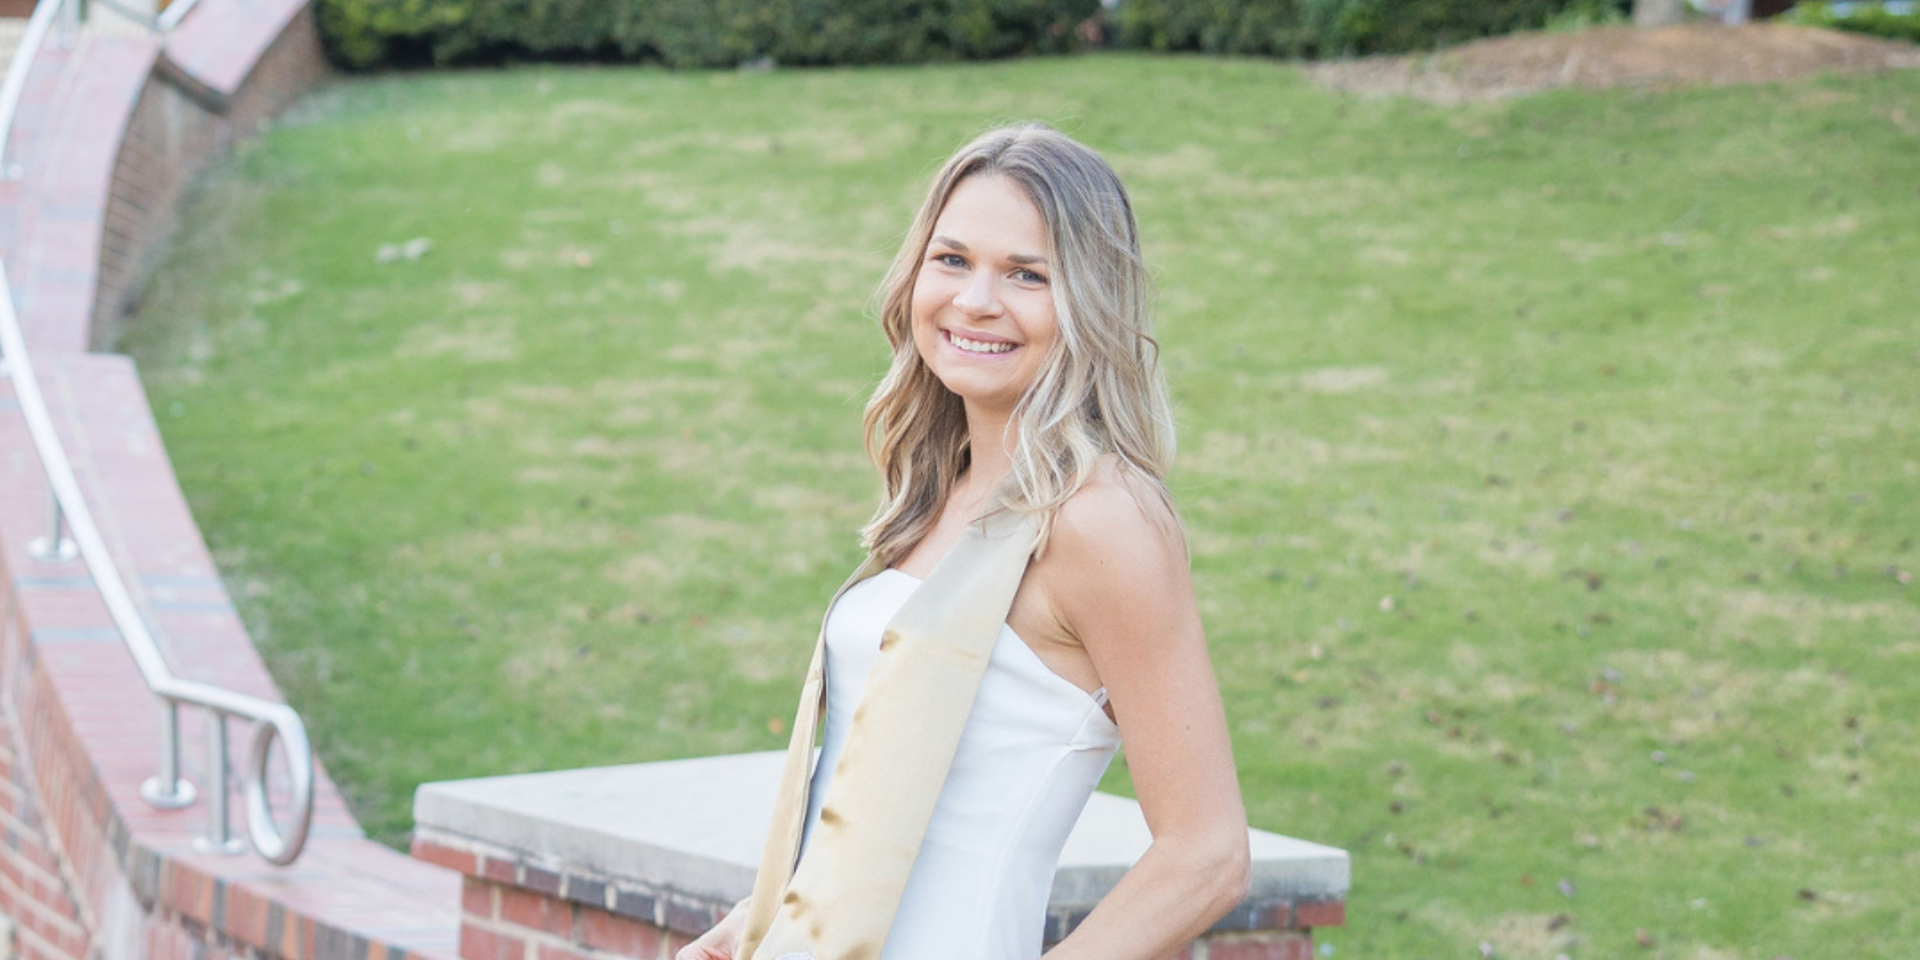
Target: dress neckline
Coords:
[(1097, 697)]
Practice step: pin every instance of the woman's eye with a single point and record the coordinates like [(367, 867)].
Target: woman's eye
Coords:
[(953, 260), (1028, 276)]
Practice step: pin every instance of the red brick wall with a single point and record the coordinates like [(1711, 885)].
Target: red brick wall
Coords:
[(176, 127), (513, 907), (293, 65), (506, 922), (168, 137), (36, 890), (113, 132)]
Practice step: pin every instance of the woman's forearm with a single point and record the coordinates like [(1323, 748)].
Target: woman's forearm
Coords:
[(1172, 895)]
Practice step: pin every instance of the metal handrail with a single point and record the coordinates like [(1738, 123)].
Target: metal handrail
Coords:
[(271, 721), (16, 83), (128, 13), (35, 36), (173, 14), (161, 23)]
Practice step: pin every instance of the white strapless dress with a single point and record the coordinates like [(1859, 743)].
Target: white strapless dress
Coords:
[(1033, 749)]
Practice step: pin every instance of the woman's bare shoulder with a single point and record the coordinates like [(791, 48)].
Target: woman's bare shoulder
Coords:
[(1115, 572), (1119, 519)]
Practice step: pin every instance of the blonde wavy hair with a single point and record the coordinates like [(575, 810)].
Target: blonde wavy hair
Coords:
[(1099, 390)]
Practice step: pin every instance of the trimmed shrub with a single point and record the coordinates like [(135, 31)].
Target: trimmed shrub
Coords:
[(1251, 27), (364, 33), (1875, 19), (1395, 26), (361, 34), (1329, 27)]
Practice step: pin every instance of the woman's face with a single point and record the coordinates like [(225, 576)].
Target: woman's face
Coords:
[(983, 317)]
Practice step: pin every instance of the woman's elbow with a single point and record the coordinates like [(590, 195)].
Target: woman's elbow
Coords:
[(1230, 872)]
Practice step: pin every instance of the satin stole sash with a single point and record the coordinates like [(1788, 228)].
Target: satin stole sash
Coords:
[(838, 902)]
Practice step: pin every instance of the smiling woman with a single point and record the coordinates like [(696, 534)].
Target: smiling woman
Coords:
[(1025, 609)]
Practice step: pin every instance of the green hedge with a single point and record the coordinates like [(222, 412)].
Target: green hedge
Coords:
[(695, 33), (1264, 27), (723, 33), (1292, 28), (1868, 18)]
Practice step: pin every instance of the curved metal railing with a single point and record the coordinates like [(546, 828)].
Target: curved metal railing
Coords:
[(162, 23), (174, 13), (35, 36), (271, 722)]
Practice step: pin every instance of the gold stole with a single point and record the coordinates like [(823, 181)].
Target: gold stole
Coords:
[(839, 902)]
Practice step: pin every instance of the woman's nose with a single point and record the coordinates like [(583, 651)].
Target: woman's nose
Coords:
[(978, 296)]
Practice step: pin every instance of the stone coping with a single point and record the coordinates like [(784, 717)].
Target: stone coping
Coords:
[(692, 830), (223, 40)]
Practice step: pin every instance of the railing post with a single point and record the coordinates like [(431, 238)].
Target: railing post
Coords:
[(173, 14), (69, 26), (56, 547), (219, 838), (169, 790)]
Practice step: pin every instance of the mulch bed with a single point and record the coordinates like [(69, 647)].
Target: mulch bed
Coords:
[(1606, 57)]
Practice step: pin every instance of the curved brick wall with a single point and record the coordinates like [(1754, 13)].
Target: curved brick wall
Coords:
[(110, 132)]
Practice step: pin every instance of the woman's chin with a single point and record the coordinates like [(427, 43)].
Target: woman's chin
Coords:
[(982, 396)]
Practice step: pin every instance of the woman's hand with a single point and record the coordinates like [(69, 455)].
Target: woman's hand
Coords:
[(720, 942)]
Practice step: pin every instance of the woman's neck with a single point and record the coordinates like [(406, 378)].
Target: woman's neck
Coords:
[(988, 457)]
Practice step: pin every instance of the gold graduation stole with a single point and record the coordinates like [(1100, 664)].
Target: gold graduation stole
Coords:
[(838, 902)]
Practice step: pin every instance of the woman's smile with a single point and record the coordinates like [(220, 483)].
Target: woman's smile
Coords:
[(980, 345)]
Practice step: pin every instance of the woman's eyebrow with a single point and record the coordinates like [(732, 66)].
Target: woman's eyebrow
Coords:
[(950, 243)]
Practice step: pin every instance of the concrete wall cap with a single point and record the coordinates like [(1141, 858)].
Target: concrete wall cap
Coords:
[(696, 827)]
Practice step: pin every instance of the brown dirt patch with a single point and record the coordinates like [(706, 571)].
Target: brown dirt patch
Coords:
[(1605, 57)]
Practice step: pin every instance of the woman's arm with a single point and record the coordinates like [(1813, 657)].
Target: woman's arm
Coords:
[(1117, 579)]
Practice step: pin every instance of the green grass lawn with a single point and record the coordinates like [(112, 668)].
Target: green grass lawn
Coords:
[(1550, 467)]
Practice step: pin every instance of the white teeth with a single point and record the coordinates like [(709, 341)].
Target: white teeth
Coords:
[(979, 346)]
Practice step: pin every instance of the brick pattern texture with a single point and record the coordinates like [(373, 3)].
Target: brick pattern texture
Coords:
[(165, 140), (542, 906), (109, 133), (516, 907), (36, 889), (176, 126), (506, 922)]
